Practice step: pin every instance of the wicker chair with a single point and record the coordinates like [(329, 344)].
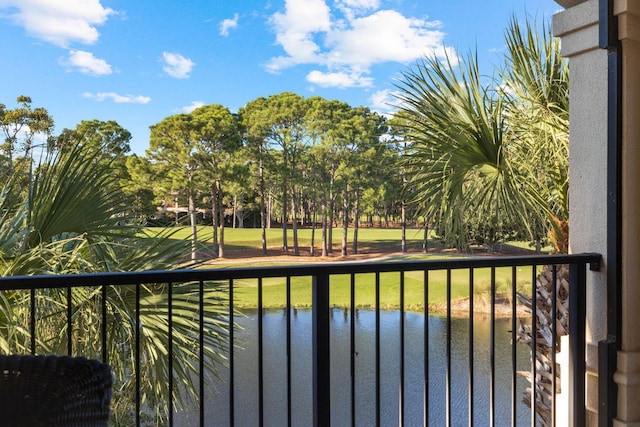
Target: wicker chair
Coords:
[(54, 391)]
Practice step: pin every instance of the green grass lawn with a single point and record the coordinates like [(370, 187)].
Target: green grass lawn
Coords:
[(250, 238), (274, 289)]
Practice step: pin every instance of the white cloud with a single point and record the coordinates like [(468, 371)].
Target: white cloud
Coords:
[(87, 63), (118, 99), (177, 65), (352, 8), (229, 24), (295, 30), (348, 46), (384, 100), (338, 79), (59, 22), (193, 106), (384, 36)]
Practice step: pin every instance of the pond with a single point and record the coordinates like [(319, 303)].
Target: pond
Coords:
[(246, 369)]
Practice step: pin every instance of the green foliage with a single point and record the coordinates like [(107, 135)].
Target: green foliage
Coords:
[(20, 125), (109, 137), (190, 155), (19, 128), (488, 157), (75, 218)]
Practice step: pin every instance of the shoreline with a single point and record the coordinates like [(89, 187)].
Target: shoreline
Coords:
[(459, 309)]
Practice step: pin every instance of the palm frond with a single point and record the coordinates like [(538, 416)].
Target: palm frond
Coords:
[(74, 218)]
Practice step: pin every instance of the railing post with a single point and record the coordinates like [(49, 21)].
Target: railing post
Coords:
[(577, 352), (321, 367)]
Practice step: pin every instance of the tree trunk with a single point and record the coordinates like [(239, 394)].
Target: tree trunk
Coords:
[(294, 224), (302, 211), (312, 212), (324, 229), (235, 207), (194, 227), (330, 221), (214, 220), (404, 227), (356, 222), (544, 349), (221, 210), (285, 244), (269, 210), (345, 218), (425, 242), (263, 216)]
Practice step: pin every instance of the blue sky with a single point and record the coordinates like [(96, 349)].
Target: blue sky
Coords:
[(140, 61)]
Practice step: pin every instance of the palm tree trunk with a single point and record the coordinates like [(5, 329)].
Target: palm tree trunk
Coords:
[(545, 289)]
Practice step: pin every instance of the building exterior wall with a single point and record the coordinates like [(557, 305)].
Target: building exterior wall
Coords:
[(627, 376), (578, 28)]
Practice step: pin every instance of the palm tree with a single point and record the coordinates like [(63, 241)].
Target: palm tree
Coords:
[(492, 151), (537, 80), (74, 218)]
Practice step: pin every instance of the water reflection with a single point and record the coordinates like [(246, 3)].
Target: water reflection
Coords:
[(246, 365)]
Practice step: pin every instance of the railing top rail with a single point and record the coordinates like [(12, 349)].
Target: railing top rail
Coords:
[(249, 272)]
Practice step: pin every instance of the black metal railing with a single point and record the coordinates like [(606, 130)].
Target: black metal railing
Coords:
[(30, 293)]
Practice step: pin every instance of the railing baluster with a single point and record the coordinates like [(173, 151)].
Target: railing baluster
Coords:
[(425, 355), (288, 351), (492, 351), (260, 357), (201, 351), (138, 331), (32, 319), (232, 410), (402, 345), (69, 322), (577, 329), (103, 332), (534, 342), (378, 408), (321, 351), (554, 339), (514, 342), (448, 352), (352, 343), (471, 352), (170, 350)]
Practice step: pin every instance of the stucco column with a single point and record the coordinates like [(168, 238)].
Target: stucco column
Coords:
[(577, 26), (628, 370)]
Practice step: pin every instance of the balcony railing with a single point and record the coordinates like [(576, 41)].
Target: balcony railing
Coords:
[(428, 276)]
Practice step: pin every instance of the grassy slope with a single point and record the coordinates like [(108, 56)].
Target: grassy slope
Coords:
[(274, 289), (249, 238), (373, 239)]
